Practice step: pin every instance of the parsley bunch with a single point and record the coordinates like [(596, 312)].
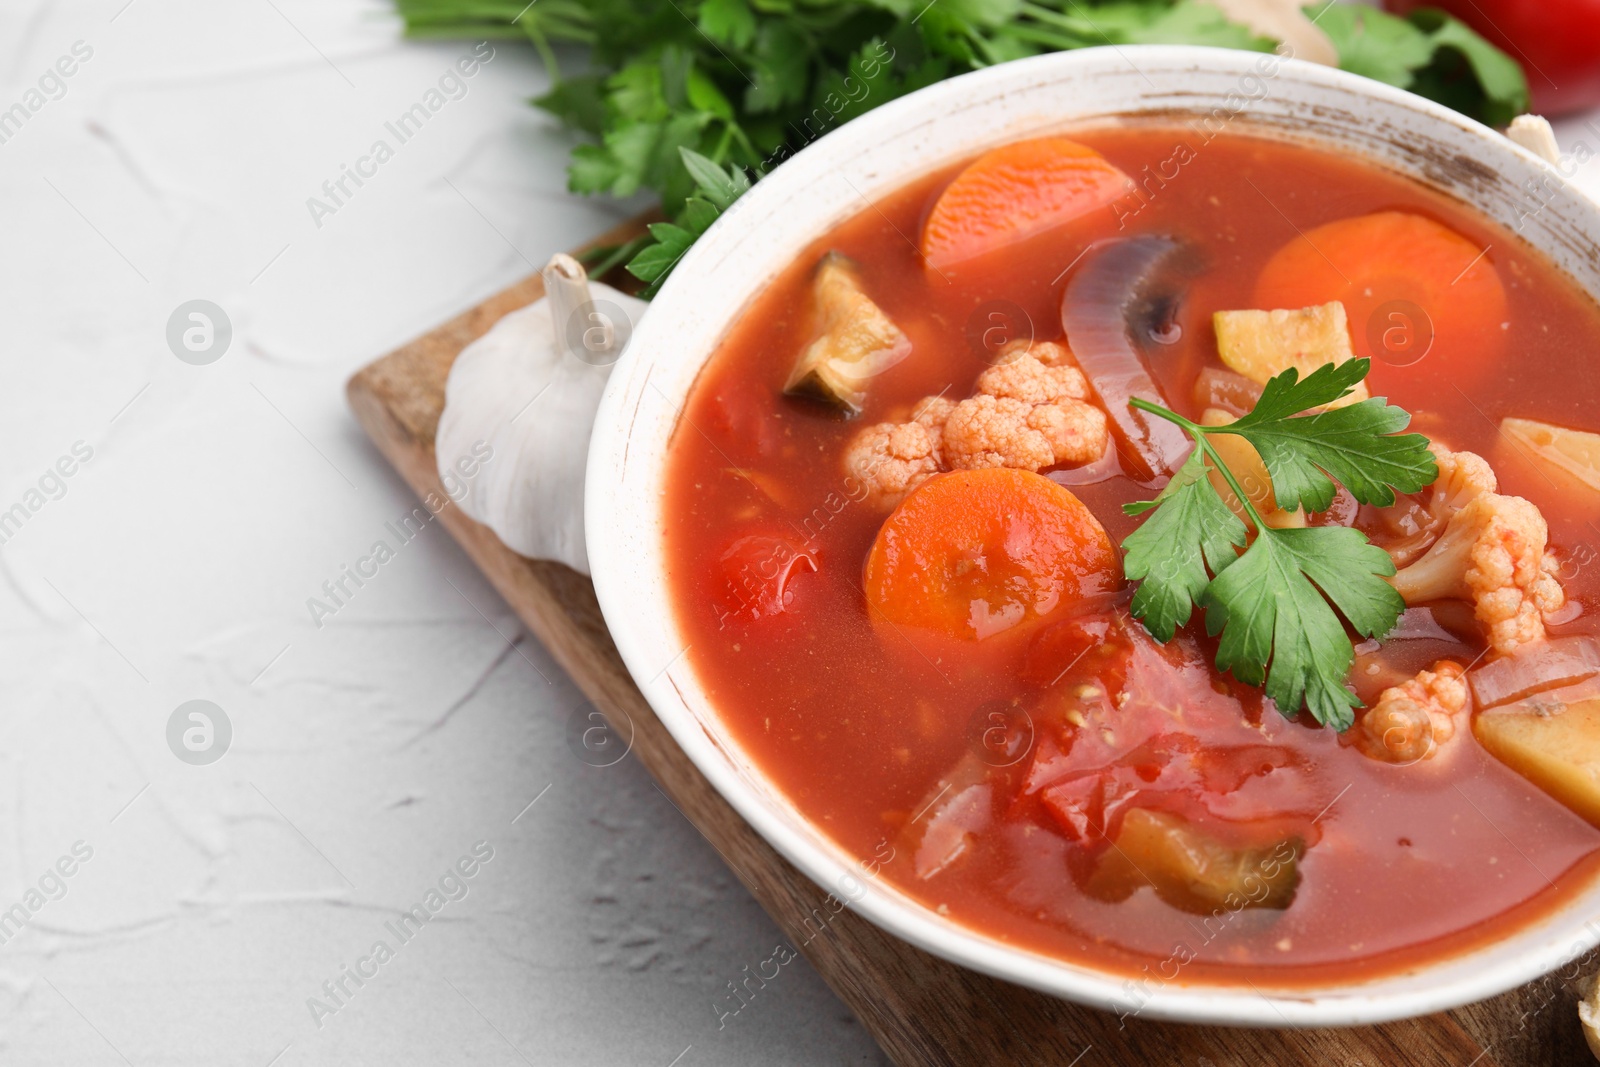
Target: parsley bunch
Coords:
[(1285, 599), (743, 84)]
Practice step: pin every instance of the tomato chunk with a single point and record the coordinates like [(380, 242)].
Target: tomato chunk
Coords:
[(758, 571), (1089, 646), (1125, 734)]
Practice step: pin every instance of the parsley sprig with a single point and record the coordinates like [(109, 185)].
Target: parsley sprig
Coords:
[(747, 83), (1282, 604)]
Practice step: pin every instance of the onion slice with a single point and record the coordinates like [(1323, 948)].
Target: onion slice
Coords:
[(1547, 665), (1105, 293)]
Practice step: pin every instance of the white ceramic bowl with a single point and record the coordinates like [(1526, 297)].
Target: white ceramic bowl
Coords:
[(836, 177)]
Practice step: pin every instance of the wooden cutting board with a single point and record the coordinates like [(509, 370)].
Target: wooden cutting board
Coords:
[(921, 1009)]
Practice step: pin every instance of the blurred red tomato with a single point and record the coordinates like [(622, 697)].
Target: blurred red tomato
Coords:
[(1556, 41)]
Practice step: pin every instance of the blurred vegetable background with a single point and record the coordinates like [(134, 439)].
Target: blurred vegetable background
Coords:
[(1556, 41), (694, 99)]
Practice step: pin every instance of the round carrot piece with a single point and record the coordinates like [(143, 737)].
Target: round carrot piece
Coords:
[(1423, 301), (1016, 191), (973, 553)]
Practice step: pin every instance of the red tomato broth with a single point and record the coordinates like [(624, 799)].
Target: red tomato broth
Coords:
[(858, 727)]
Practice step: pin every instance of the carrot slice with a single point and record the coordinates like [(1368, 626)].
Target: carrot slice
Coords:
[(1016, 191), (1424, 302), (973, 553)]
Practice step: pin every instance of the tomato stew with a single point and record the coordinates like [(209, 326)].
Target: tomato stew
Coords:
[(1069, 785)]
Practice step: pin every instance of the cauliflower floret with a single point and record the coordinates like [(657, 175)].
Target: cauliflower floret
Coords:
[(893, 458), (931, 414), (1410, 721), (1415, 524), (1077, 430), (987, 431), (1030, 411), (1050, 353), (1027, 379), (1463, 476), (1027, 414), (990, 431), (1493, 553)]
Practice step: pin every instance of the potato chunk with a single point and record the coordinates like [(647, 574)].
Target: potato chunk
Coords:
[(1572, 452), (1193, 870), (1553, 744), (855, 340), (1262, 344)]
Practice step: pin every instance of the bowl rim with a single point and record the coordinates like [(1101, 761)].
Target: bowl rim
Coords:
[(1423, 989)]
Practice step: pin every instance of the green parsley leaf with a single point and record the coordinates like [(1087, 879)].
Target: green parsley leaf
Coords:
[(592, 170), (653, 262), (1357, 445), (703, 95), (1192, 530), (1273, 605), (1282, 605), (631, 148), (579, 102), (1427, 52), (721, 187), (636, 93), (1490, 85), (728, 22), (1192, 23), (672, 238), (1373, 43), (718, 188), (698, 215), (778, 68), (1287, 394), (747, 83)]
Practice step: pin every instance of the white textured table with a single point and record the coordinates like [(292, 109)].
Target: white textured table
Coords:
[(370, 754), (222, 908)]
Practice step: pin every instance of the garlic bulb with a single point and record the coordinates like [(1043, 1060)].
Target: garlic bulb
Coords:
[(1284, 21), (1533, 132), (520, 403), (1589, 1011)]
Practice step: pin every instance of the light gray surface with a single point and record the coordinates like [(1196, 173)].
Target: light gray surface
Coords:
[(371, 753)]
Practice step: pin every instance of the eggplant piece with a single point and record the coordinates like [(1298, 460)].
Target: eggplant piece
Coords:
[(1193, 870), (855, 341), (1121, 296)]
